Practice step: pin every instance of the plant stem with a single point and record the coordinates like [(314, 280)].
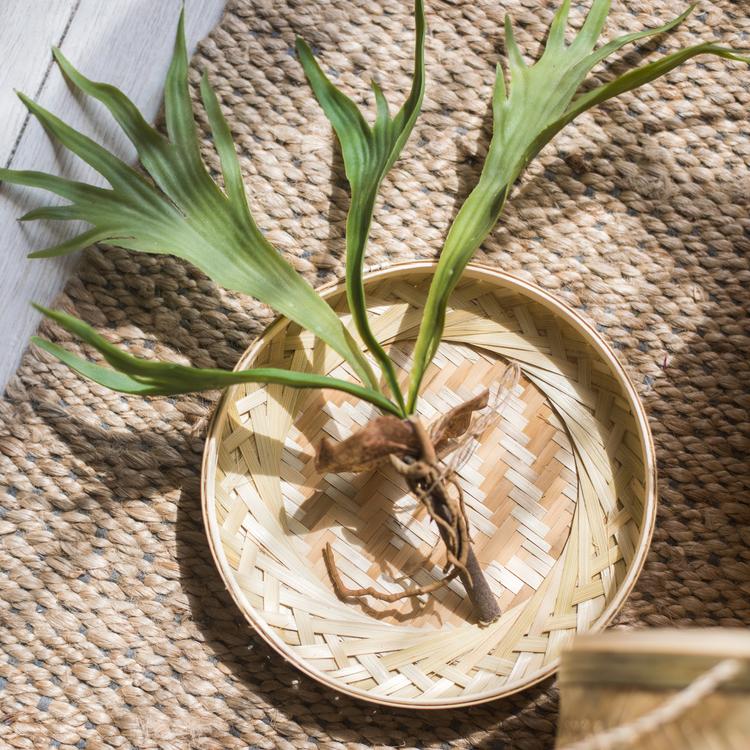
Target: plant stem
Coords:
[(483, 600)]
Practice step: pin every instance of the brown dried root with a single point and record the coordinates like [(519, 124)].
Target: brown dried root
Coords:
[(388, 435), (427, 481), (419, 474), (423, 477), (417, 454), (448, 513), (344, 592)]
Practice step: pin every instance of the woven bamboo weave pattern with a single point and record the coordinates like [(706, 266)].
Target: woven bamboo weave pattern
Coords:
[(555, 494), (115, 627)]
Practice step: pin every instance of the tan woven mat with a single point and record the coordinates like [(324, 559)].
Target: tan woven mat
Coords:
[(116, 629)]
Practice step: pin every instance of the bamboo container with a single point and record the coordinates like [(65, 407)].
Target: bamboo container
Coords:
[(560, 497), (656, 689)]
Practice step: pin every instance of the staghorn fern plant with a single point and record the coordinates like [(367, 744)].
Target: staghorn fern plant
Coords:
[(178, 209)]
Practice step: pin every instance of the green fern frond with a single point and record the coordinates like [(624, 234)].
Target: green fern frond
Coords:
[(539, 102)]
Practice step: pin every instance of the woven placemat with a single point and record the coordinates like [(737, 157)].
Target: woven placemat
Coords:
[(116, 629)]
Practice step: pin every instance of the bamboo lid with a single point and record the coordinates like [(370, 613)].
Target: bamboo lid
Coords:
[(664, 659)]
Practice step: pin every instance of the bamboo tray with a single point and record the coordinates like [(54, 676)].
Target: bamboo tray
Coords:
[(560, 495)]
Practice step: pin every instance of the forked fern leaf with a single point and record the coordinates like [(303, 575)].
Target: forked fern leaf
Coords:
[(368, 153), (541, 100), (180, 211)]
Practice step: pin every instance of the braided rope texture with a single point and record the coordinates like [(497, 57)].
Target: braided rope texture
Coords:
[(116, 629)]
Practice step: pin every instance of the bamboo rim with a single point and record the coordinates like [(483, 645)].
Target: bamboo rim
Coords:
[(720, 643), (592, 337)]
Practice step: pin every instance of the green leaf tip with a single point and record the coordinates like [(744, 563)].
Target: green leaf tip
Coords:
[(59, 56), (44, 310), (515, 58)]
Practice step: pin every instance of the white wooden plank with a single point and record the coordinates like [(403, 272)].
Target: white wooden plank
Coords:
[(127, 43), (25, 39)]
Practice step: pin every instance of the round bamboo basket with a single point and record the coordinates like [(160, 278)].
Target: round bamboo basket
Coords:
[(560, 497), (641, 690)]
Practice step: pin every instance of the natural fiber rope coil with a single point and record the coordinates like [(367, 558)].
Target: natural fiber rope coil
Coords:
[(113, 616)]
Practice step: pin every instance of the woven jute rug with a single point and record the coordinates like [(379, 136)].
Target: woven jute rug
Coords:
[(116, 629)]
